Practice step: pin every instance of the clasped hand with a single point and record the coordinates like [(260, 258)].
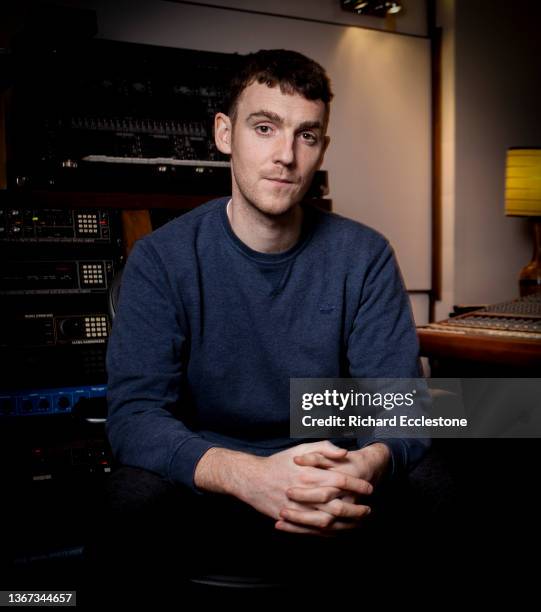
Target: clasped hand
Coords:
[(316, 488)]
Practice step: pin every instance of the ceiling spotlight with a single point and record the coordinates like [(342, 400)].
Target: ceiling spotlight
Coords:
[(372, 8), (393, 8)]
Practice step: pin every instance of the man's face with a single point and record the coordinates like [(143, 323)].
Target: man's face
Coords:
[(277, 143)]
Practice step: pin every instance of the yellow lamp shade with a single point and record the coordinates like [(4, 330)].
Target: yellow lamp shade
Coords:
[(523, 183)]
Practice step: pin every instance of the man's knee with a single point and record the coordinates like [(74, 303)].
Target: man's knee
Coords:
[(137, 519), (132, 490)]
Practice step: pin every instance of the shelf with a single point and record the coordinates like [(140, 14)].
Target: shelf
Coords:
[(122, 200)]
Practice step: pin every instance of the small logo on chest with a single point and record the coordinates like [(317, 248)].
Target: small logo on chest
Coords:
[(326, 308)]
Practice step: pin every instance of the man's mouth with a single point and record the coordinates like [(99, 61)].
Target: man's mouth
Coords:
[(280, 180)]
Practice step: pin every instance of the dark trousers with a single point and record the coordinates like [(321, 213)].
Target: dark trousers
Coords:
[(154, 534)]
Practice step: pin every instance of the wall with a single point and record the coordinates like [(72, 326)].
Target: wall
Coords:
[(497, 102)]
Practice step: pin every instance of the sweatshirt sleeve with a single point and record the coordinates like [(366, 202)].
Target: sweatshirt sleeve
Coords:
[(383, 343), (144, 368)]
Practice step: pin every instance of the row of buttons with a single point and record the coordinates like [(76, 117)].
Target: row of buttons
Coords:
[(87, 224), (518, 324), (93, 274), (96, 327)]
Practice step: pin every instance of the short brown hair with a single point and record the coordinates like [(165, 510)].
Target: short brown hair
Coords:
[(292, 71)]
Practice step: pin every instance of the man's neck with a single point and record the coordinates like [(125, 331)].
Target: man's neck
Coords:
[(264, 233)]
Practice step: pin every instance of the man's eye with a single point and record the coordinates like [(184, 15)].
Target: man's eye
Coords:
[(263, 129), (309, 137)]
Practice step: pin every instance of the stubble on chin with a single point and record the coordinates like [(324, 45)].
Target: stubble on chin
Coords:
[(263, 202), (275, 208)]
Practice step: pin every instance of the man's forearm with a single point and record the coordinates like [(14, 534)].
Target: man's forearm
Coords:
[(225, 471)]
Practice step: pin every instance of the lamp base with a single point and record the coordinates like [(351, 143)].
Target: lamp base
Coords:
[(530, 276)]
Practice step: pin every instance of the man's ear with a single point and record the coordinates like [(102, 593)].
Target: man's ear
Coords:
[(222, 133)]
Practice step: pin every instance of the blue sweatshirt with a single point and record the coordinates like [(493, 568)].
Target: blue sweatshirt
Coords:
[(208, 333)]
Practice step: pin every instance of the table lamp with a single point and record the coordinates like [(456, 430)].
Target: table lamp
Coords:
[(523, 199)]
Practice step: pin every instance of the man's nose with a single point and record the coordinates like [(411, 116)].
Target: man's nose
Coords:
[(284, 152)]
